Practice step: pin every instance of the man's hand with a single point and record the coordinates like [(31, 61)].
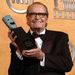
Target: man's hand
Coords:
[(37, 53), (10, 34)]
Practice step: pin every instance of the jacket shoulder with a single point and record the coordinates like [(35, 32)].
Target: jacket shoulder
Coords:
[(57, 33)]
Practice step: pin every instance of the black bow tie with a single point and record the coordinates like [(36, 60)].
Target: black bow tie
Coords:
[(36, 35)]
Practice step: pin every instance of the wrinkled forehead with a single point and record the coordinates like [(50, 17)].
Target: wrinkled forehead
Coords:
[(37, 8)]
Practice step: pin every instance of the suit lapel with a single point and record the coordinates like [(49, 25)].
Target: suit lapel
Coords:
[(47, 42)]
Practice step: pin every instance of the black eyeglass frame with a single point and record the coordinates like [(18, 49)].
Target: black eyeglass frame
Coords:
[(35, 14)]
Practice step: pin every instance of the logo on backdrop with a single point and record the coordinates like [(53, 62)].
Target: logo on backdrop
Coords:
[(64, 9), (24, 3)]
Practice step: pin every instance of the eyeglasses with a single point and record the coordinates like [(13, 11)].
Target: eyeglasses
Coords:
[(41, 15)]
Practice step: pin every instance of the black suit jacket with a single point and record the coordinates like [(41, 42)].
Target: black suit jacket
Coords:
[(57, 57)]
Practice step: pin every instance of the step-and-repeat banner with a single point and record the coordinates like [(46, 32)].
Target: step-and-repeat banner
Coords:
[(61, 18)]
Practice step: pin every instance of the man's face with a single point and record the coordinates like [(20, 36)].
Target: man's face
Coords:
[(37, 17)]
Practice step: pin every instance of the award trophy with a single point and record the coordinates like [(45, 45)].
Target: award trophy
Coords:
[(23, 40)]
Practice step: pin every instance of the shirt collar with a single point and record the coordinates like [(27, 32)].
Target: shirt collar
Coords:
[(43, 32)]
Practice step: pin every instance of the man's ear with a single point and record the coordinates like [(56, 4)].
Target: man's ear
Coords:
[(46, 25), (26, 15), (27, 23)]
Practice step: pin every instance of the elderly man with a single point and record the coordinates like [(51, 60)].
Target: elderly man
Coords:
[(52, 55)]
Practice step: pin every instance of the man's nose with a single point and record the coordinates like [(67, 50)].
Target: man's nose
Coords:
[(37, 16)]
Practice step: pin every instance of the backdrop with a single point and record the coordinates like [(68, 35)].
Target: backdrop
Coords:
[(59, 20)]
